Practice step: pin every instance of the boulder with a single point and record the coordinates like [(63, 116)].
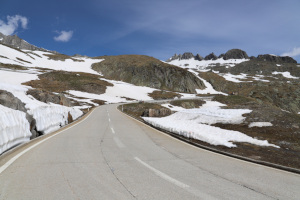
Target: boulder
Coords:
[(235, 54), (162, 112)]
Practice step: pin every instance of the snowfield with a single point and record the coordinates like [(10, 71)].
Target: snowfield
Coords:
[(203, 64), (196, 124), (38, 59)]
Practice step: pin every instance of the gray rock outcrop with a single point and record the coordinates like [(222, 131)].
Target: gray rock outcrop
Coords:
[(274, 58), (235, 54), (16, 42), (48, 97), (162, 112), (186, 56), (211, 56), (198, 57)]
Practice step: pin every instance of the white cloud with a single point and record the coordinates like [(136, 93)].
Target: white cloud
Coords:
[(64, 36), (295, 52), (12, 24)]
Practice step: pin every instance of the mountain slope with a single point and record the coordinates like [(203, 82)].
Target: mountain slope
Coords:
[(147, 71)]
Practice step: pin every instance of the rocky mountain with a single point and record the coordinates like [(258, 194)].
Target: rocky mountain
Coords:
[(16, 42), (147, 71), (233, 54)]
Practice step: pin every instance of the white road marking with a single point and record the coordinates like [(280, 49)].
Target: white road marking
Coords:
[(109, 119), (13, 159), (119, 143), (201, 195), (112, 130), (163, 175)]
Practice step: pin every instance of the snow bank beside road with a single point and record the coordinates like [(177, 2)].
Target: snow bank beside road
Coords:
[(49, 117), (14, 128), (195, 123)]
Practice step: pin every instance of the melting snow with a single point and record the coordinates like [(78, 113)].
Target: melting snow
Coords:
[(286, 74), (195, 123), (260, 124), (203, 64), (38, 59)]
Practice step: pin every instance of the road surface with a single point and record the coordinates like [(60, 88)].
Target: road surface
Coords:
[(111, 156)]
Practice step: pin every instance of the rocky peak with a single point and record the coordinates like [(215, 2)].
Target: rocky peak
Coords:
[(198, 57), (274, 58), (16, 42), (211, 56), (235, 54), (186, 56)]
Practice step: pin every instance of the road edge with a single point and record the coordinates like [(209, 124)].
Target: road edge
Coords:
[(186, 140)]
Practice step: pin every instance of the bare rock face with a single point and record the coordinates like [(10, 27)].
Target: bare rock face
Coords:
[(16, 42), (211, 56), (187, 56), (274, 58), (235, 54), (9, 100)]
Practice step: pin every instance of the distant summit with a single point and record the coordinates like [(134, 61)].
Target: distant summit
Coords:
[(233, 54), (16, 42)]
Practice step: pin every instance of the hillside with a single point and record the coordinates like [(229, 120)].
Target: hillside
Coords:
[(255, 101), (147, 71)]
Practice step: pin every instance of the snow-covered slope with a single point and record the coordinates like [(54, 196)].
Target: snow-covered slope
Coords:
[(40, 59), (196, 124)]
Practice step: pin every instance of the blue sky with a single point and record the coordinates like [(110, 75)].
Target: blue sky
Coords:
[(157, 28)]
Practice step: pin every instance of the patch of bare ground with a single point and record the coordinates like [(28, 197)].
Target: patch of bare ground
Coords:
[(61, 57), (12, 66), (161, 94), (188, 104), (61, 81)]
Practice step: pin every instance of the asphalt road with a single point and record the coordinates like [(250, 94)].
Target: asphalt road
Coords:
[(111, 156)]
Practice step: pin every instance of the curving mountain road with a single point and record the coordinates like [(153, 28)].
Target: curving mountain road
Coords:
[(111, 156)]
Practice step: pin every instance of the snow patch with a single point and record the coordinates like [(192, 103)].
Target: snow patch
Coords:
[(39, 59), (196, 123), (203, 64), (285, 74), (260, 124)]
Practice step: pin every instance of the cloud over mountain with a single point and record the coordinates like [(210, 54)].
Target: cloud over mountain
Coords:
[(12, 24)]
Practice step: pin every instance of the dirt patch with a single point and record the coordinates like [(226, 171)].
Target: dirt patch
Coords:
[(161, 94), (188, 104), (11, 66), (61, 81), (61, 57)]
